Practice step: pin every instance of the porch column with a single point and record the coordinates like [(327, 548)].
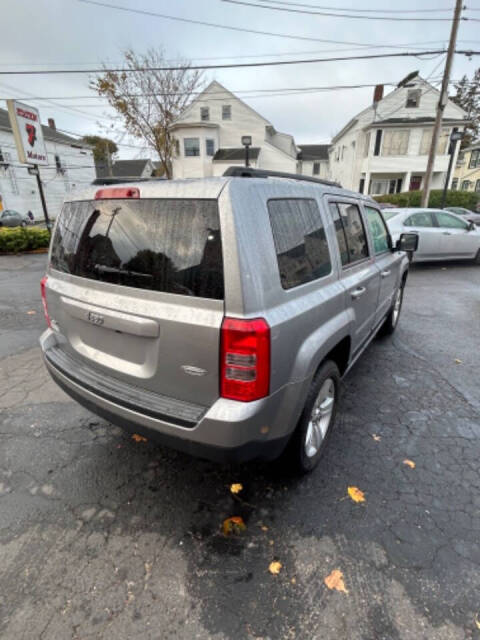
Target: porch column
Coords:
[(367, 183), (406, 181)]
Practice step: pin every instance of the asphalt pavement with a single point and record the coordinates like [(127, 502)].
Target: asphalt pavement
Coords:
[(105, 537)]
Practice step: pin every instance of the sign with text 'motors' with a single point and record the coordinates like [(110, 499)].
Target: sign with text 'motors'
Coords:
[(28, 134)]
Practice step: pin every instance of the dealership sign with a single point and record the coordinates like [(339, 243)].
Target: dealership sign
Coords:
[(27, 130)]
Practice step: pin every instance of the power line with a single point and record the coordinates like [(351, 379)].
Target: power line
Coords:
[(206, 24), (314, 6), (331, 14), (402, 54)]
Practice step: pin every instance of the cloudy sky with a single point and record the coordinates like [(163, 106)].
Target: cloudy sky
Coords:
[(71, 34)]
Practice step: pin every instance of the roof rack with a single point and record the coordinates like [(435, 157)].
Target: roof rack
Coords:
[(248, 172), (119, 180)]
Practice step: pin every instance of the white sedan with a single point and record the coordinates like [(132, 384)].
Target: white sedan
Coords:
[(441, 235)]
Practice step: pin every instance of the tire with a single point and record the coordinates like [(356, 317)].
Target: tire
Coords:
[(391, 321), (308, 443)]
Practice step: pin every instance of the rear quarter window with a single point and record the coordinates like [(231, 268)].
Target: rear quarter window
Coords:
[(168, 245), (300, 242)]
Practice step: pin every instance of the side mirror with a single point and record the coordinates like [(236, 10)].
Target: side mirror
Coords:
[(407, 242), (471, 226), (390, 242)]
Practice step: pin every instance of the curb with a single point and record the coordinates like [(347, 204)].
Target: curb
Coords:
[(20, 253)]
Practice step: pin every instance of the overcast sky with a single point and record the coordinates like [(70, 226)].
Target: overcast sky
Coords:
[(57, 34)]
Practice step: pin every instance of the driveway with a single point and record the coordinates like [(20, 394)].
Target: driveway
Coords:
[(105, 537)]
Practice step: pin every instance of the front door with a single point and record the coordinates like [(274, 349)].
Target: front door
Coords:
[(456, 241), (415, 183), (387, 262)]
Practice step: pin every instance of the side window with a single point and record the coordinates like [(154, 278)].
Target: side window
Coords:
[(422, 219), (446, 220), (226, 112), (191, 146), (340, 232), (378, 230), (354, 232), (210, 146), (300, 242)]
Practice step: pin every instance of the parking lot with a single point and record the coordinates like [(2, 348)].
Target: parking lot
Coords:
[(105, 537)]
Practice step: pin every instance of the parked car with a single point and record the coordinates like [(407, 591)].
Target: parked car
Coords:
[(11, 218), (168, 316), (466, 213), (442, 234)]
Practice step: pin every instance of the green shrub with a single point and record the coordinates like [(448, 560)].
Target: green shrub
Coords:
[(16, 239), (467, 199)]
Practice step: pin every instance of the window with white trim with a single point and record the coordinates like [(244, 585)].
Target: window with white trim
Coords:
[(316, 168), (226, 112), (395, 142), (191, 146), (413, 98), (426, 142), (204, 114)]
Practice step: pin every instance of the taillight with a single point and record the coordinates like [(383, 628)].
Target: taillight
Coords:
[(43, 289), (245, 359), (117, 192)]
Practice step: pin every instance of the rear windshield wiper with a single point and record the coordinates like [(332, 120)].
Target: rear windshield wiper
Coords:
[(103, 268)]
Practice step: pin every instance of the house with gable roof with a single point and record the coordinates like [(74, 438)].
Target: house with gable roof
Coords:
[(384, 149), (208, 137)]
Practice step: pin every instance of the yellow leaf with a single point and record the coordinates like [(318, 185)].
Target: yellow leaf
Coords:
[(31, 313), (264, 528), (138, 438), (335, 581), (409, 463), (477, 621), (236, 488), (375, 437), (356, 495), (458, 361), (293, 581), (233, 526), (275, 567)]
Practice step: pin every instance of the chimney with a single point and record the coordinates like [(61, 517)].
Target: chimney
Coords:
[(378, 93), (51, 124)]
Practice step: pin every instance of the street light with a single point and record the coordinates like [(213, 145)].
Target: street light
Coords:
[(247, 142), (454, 138)]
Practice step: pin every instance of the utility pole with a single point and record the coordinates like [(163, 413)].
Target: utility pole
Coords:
[(441, 102)]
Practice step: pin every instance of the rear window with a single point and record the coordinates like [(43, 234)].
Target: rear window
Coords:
[(172, 245), (300, 242)]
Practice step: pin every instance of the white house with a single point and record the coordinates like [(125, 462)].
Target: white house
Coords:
[(314, 160), (209, 132), (71, 165), (384, 149)]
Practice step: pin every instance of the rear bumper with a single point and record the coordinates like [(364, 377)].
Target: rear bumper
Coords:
[(228, 431)]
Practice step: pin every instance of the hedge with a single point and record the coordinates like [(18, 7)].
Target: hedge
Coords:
[(467, 199), (16, 239)]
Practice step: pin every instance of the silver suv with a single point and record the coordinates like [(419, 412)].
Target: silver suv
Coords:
[(218, 315)]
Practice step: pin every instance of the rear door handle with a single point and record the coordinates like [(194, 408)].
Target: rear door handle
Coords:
[(446, 233), (356, 293), (386, 273)]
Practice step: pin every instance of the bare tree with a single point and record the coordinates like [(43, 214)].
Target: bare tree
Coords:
[(148, 101)]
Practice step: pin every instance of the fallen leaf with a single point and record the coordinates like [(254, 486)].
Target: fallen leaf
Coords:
[(458, 361), (138, 438), (275, 567), (31, 313), (264, 528), (335, 581), (356, 495), (375, 437), (409, 463), (293, 581), (236, 488), (233, 526), (477, 621)]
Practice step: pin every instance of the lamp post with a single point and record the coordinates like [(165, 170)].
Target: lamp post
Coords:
[(454, 138), (247, 142)]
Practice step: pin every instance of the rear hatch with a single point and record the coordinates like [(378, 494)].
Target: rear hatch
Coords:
[(135, 292)]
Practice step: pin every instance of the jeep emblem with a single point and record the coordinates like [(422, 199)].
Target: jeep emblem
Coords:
[(95, 318)]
